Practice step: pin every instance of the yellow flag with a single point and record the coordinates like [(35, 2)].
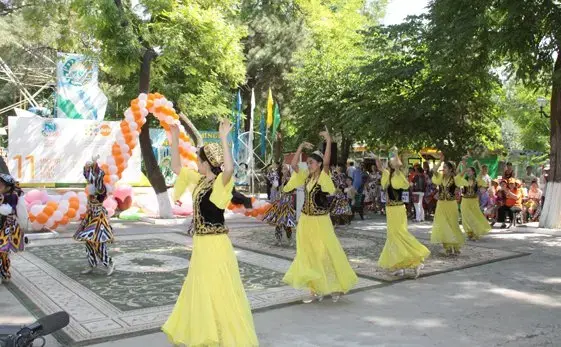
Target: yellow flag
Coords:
[(270, 109)]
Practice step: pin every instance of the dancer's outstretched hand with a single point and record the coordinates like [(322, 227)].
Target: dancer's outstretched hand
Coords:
[(224, 128), (306, 145), (174, 130), (325, 134)]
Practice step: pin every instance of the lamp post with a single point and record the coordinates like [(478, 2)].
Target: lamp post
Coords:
[(541, 103)]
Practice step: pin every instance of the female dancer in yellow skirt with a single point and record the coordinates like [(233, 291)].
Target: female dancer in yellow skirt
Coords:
[(320, 264), (446, 226), (474, 222), (402, 250), (212, 308)]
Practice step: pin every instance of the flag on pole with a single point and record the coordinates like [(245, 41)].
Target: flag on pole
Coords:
[(238, 115), (263, 131), (250, 140), (276, 121), (270, 109)]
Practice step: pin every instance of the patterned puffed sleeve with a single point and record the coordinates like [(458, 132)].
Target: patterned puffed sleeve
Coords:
[(221, 194), (186, 179)]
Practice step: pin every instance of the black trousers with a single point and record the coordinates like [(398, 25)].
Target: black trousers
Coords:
[(510, 211)]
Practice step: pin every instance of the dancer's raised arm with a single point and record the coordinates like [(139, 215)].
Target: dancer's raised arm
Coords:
[(327, 155), (175, 161), (228, 169)]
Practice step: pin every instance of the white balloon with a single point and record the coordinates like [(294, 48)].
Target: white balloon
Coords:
[(63, 204), (111, 161), (114, 178), (126, 156), (36, 209), (133, 126), (169, 120), (82, 195), (158, 102), (55, 198), (142, 97), (69, 195), (125, 148), (112, 170), (135, 134), (57, 215), (82, 209), (109, 189), (50, 223), (169, 104), (144, 112), (142, 103), (36, 226)]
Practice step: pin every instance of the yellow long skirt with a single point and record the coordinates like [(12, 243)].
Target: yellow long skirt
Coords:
[(446, 227), (321, 264), (474, 222), (402, 250), (212, 308)]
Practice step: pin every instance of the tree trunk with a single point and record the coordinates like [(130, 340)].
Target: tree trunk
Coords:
[(3, 166), (277, 148), (152, 169), (346, 145), (551, 213)]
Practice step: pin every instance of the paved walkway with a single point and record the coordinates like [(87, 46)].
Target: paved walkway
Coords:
[(514, 302)]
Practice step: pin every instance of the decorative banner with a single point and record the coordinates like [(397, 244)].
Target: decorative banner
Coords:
[(78, 94), (44, 150)]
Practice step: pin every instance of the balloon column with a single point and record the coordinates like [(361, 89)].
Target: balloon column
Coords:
[(258, 209), (53, 211)]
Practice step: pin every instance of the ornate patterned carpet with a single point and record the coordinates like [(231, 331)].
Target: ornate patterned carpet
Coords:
[(363, 248), (140, 295)]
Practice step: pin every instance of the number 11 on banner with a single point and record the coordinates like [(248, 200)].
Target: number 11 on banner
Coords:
[(31, 160)]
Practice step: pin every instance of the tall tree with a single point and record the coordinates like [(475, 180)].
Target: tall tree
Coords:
[(412, 99), (325, 82), (524, 37), (190, 52)]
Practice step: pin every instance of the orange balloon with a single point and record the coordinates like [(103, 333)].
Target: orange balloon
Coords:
[(107, 179), (119, 160), (74, 204), (135, 108), (137, 117), (48, 211), (116, 151), (165, 126), (64, 220), (71, 213), (42, 218), (55, 226), (31, 218), (52, 205)]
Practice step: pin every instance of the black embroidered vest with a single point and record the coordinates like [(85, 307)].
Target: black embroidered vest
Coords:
[(208, 219)]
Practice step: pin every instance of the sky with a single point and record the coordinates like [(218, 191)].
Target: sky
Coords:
[(397, 10)]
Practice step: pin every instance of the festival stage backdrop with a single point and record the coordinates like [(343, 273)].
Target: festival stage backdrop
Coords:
[(43, 150)]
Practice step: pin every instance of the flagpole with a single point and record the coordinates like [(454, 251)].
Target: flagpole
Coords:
[(250, 144)]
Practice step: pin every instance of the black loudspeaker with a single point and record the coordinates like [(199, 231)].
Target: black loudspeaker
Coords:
[(333, 160)]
